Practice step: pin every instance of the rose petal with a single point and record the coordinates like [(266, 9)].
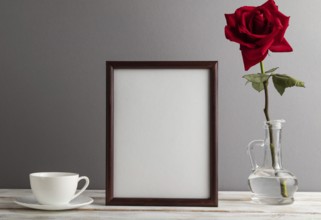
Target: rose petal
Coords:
[(230, 20), (273, 9), (266, 46), (243, 24), (282, 46), (270, 5), (259, 23), (232, 36), (238, 12), (260, 34), (268, 40), (282, 26), (252, 57)]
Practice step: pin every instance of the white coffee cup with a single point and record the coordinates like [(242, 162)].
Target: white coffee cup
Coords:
[(56, 188)]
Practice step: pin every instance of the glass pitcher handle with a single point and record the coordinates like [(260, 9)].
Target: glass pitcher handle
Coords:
[(250, 147)]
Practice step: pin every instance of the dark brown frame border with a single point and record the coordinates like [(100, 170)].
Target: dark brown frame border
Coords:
[(110, 67)]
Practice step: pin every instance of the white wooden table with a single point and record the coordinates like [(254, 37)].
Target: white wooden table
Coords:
[(232, 205)]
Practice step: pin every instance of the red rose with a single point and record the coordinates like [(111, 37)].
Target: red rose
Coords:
[(258, 30)]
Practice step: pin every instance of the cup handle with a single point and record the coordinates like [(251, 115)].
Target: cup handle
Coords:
[(83, 188), (250, 147)]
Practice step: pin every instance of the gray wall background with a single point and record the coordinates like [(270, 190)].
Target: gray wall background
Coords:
[(52, 82)]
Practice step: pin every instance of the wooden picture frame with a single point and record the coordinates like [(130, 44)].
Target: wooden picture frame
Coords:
[(161, 135)]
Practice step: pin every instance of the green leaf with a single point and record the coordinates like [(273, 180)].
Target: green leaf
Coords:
[(282, 81), (257, 80), (272, 70), (258, 86)]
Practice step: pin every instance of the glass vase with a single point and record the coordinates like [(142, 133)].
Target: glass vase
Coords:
[(269, 182)]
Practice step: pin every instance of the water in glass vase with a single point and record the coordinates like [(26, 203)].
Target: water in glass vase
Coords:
[(270, 183), (271, 188)]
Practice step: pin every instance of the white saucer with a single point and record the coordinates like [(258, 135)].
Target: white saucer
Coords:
[(31, 202)]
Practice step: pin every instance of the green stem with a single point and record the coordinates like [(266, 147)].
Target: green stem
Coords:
[(266, 113), (284, 191)]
